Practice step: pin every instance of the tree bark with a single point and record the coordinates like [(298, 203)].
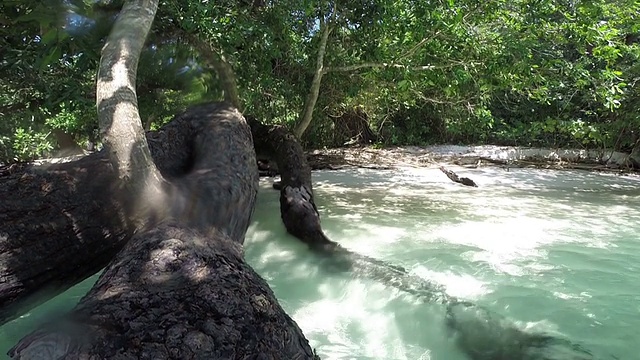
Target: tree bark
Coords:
[(61, 223), (174, 294), (297, 208), (184, 291), (120, 124), (79, 215), (57, 227)]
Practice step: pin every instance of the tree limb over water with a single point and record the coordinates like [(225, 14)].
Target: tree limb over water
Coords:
[(480, 333)]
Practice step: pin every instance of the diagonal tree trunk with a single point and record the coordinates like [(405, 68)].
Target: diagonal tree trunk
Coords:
[(314, 91), (140, 181)]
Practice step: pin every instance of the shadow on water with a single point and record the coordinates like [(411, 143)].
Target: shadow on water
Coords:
[(479, 333)]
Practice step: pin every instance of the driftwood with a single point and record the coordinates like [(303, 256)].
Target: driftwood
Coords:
[(455, 178), (180, 288)]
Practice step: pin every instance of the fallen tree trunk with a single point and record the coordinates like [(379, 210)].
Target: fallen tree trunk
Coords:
[(173, 293), (180, 287), (58, 226), (61, 223)]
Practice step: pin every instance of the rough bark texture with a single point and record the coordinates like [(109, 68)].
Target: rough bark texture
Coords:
[(61, 223), (174, 294), (297, 208), (57, 227), (182, 289)]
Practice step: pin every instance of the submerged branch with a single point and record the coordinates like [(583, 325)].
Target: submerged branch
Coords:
[(455, 178)]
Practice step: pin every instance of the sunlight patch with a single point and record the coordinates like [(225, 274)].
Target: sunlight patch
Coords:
[(458, 285), (348, 313)]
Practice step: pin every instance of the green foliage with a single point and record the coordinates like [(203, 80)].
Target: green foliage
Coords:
[(539, 73), (28, 145), (47, 74)]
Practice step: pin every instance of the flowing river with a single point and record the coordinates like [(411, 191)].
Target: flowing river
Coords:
[(556, 252)]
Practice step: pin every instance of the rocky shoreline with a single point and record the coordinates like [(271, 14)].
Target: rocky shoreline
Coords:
[(472, 157)]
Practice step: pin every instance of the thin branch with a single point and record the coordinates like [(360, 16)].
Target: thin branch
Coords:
[(314, 91), (418, 46), (373, 65)]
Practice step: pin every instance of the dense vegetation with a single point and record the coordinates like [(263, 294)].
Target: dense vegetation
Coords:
[(522, 72)]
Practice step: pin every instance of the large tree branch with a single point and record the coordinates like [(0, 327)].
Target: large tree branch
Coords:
[(297, 207), (61, 223), (120, 125)]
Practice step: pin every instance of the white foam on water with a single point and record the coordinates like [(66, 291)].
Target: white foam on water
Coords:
[(502, 244), (493, 245), (352, 322)]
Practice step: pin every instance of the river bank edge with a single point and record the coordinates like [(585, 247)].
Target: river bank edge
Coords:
[(473, 157), (466, 156)]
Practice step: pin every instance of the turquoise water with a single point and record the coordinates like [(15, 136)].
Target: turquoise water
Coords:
[(553, 251)]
